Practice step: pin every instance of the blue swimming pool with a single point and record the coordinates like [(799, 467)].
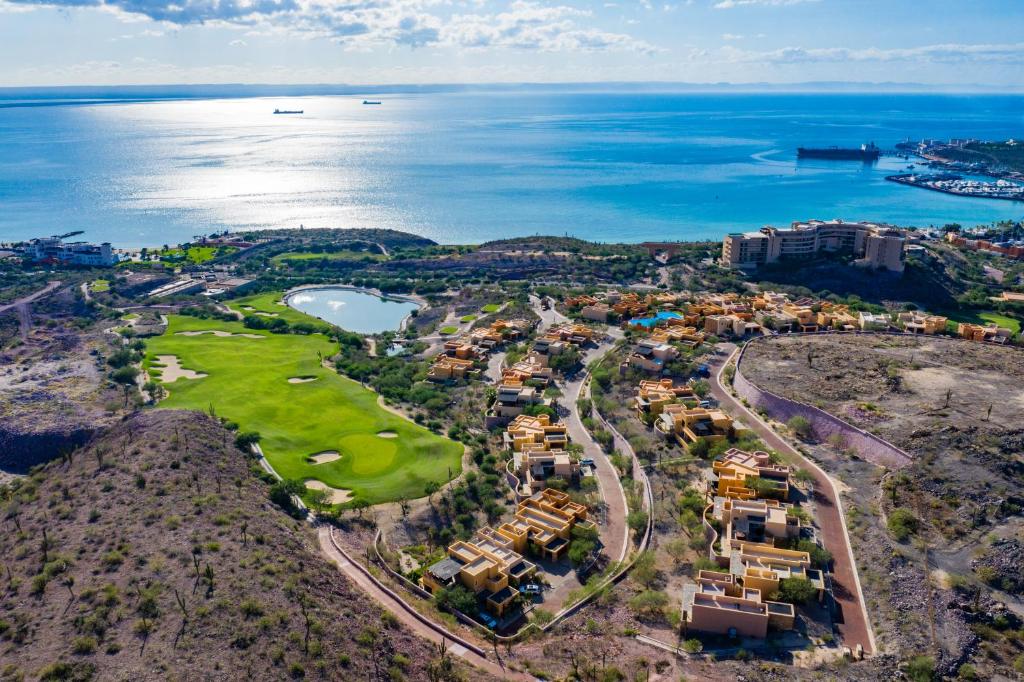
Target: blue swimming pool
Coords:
[(652, 321)]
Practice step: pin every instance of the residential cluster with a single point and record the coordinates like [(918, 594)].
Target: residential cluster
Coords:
[(457, 361), (1009, 249), (755, 523), (522, 383), (538, 446), (874, 245), (491, 564)]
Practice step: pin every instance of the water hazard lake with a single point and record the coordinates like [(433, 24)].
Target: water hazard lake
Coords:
[(352, 310)]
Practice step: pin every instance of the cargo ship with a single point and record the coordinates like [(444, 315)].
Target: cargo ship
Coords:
[(371, 101), (867, 152), (288, 111)]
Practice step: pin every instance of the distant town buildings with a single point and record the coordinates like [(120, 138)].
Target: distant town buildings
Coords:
[(58, 252), (875, 245)]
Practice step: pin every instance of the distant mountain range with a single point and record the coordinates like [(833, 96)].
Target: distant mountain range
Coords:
[(85, 93)]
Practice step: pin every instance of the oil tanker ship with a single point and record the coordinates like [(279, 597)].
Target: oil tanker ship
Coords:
[(867, 152)]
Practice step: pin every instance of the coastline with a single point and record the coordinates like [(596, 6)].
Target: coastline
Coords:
[(902, 180)]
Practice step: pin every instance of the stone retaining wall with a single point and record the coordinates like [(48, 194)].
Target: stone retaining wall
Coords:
[(824, 425)]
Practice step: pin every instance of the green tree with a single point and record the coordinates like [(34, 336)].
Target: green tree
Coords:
[(456, 598), (701, 388), (797, 590), (800, 426), (126, 377)]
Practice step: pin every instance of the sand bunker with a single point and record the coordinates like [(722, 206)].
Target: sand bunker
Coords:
[(300, 380), (171, 370), (387, 434), (325, 457), (217, 332), (334, 495), (246, 307), (263, 314)]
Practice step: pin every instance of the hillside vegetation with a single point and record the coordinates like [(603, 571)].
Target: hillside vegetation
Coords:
[(154, 553)]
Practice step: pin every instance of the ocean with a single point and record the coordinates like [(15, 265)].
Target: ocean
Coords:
[(474, 166)]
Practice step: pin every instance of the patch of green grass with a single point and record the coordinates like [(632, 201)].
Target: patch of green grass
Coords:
[(100, 285), (336, 255), (985, 317), (467, 318), (491, 308), (194, 254), (271, 304), (247, 382), (129, 316), (449, 330)]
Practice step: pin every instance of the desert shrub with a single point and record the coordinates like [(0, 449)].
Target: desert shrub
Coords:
[(902, 523)]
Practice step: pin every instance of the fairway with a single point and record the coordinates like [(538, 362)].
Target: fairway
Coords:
[(270, 305), (383, 457)]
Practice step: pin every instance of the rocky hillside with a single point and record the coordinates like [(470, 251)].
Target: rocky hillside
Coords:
[(154, 553)]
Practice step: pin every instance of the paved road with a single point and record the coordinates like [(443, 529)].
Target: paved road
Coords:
[(410, 618), (494, 363), (615, 533), (549, 317), (855, 628), (25, 300)]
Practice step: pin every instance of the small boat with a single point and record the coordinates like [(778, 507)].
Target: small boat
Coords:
[(372, 101), (288, 111)]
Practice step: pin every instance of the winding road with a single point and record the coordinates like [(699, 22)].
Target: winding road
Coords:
[(614, 532), (853, 622)]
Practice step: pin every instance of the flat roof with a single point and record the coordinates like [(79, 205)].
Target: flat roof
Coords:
[(446, 569)]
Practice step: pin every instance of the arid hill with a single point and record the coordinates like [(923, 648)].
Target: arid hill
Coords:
[(155, 554)]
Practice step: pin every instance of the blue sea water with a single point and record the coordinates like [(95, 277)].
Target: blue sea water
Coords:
[(470, 167)]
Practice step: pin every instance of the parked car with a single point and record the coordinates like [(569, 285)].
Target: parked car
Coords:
[(531, 588), (587, 462), (704, 371)]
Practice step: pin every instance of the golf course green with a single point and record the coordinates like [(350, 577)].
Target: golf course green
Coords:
[(383, 457)]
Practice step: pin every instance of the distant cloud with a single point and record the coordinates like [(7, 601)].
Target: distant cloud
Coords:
[(731, 36), (729, 4), (238, 43), (521, 24)]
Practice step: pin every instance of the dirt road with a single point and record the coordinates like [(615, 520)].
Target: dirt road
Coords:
[(852, 619)]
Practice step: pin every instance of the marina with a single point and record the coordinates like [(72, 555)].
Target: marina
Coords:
[(950, 183)]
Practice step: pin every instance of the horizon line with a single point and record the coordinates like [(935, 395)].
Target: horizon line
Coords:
[(824, 86)]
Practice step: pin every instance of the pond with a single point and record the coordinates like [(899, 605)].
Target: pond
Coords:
[(352, 310)]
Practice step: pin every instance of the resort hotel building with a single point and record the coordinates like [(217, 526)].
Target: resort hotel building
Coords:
[(874, 245)]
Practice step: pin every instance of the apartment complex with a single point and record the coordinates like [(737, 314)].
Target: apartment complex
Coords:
[(491, 564), (688, 424), (56, 250), (734, 473), (651, 356), (538, 449), (448, 368), (875, 245), (654, 395), (750, 550), (992, 333)]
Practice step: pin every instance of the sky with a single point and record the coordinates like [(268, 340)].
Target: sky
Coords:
[(947, 43)]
